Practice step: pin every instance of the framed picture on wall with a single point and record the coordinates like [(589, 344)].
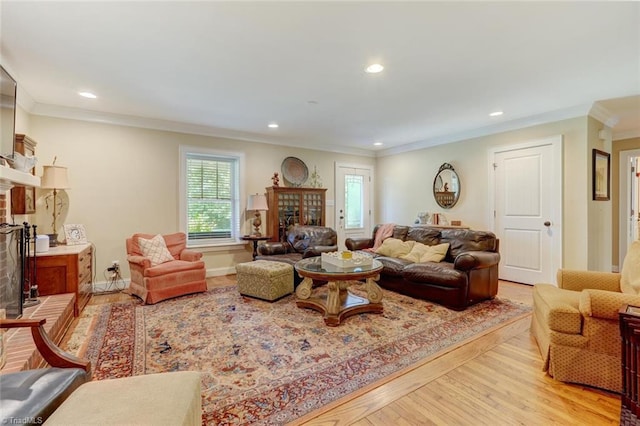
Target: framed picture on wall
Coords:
[(75, 234), (601, 175)]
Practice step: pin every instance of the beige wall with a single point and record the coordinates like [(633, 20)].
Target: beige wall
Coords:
[(620, 145), (404, 182), (599, 229), (125, 180)]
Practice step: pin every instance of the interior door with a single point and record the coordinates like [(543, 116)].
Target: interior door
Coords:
[(527, 213), (629, 202), (353, 202)]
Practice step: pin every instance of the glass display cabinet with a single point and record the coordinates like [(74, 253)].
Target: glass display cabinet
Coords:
[(294, 206)]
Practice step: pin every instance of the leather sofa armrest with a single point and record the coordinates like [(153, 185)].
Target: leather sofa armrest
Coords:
[(318, 250), (141, 261), (476, 260), (578, 280), (358, 243), (190, 255), (269, 249), (605, 304)]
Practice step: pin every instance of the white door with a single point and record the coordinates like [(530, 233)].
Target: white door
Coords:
[(629, 202), (353, 202), (528, 211)]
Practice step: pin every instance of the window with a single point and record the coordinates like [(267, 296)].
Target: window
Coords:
[(210, 196), (354, 199)]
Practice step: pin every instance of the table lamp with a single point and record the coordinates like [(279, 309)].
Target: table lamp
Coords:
[(54, 177), (258, 203)]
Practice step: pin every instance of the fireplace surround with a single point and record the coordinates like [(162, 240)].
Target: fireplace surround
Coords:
[(11, 270)]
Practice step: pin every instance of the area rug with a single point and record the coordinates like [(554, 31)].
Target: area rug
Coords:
[(271, 363)]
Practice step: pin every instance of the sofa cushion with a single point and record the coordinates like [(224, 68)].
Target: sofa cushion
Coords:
[(393, 266), (462, 240), (424, 253), (155, 249), (393, 247), (425, 235), (630, 275), (440, 274)]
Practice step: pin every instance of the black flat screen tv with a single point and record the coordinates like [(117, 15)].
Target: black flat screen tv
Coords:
[(8, 89)]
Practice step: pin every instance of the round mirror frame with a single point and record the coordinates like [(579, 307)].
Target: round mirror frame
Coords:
[(446, 196)]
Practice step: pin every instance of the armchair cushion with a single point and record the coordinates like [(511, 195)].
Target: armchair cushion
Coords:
[(605, 304), (155, 249)]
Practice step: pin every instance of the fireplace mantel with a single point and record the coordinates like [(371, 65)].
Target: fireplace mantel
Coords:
[(10, 177)]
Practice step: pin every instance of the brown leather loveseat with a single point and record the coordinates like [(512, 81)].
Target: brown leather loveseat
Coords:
[(467, 275), (302, 242)]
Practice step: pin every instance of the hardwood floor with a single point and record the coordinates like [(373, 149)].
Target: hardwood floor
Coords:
[(495, 380)]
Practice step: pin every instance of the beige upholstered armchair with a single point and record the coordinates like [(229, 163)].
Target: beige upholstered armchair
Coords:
[(162, 267), (576, 323)]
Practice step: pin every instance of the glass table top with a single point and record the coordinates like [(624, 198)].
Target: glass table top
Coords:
[(315, 265)]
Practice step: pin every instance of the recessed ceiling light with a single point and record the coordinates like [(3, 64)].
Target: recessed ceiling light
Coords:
[(378, 144), (273, 125), (374, 68), (87, 95), (496, 114)]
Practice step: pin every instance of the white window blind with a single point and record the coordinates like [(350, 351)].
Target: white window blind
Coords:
[(212, 213)]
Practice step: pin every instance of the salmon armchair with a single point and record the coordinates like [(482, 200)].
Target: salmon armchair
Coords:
[(183, 273), (576, 323)]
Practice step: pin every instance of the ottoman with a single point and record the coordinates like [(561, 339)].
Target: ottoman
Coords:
[(265, 279), (171, 399)]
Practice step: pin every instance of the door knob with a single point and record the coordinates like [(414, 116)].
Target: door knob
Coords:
[(547, 223), (341, 217)]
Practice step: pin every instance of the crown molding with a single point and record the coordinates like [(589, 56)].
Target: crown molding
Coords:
[(520, 123), (56, 111), (603, 115)]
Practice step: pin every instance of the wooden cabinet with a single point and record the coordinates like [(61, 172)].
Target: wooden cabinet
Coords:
[(66, 269), (294, 206), (23, 198)]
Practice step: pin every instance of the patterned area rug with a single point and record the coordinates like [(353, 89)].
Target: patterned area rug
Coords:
[(270, 363)]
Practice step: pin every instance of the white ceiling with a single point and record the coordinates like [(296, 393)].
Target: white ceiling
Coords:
[(230, 68)]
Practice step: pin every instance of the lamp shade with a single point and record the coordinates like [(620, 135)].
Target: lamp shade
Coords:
[(54, 177), (257, 202)]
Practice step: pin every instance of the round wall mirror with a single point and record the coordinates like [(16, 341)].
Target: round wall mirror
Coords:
[(446, 186)]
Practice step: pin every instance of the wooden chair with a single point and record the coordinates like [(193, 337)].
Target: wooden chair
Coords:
[(35, 394)]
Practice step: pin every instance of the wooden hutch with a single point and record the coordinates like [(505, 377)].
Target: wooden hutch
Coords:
[(289, 206)]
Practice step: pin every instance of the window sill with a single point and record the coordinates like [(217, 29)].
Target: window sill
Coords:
[(239, 245)]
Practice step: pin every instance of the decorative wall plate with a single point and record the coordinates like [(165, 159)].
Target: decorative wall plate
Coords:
[(294, 171)]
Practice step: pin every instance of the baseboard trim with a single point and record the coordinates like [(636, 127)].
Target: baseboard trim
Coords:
[(218, 272)]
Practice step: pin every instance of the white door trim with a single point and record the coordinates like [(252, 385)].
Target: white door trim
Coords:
[(623, 204), (556, 143), (368, 167)]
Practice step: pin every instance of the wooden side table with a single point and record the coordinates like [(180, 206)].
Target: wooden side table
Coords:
[(255, 240), (630, 333)]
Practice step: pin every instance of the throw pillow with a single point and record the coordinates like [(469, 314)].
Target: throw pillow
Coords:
[(435, 253), (394, 247), (155, 249), (424, 253), (630, 275)]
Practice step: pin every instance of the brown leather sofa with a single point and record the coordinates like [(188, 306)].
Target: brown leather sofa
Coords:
[(302, 242), (467, 275)]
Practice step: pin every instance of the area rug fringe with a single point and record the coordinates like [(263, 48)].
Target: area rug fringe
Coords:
[(273, 363)]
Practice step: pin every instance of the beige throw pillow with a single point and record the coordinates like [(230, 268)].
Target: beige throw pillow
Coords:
[(424, 253), (394, 247), (155, 249), (630, 275)]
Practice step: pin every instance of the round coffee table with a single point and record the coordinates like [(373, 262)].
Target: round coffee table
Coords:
[(338, 303)]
